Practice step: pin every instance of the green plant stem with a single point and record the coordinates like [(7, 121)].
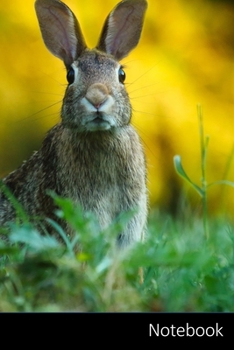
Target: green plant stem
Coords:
[(204, 140)]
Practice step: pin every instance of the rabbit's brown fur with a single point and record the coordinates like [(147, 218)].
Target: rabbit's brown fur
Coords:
[(94, 156)]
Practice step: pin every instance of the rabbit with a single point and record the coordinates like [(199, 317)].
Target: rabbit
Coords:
[(94, 155)]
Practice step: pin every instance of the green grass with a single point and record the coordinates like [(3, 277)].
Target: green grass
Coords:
[(188, 262), (183, 271)]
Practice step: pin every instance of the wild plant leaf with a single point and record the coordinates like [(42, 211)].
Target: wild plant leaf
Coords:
[(222, 182), (7, 250), (31, 237), (61, 232), (180, 170), (21, 214), (104, 264)]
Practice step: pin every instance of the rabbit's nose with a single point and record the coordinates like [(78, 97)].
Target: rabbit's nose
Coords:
[(97, 94)]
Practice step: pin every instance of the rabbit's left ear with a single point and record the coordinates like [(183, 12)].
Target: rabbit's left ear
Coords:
[(60, 30), (122, 29)]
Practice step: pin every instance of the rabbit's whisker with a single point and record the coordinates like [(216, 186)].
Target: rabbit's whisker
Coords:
[(38, 112)]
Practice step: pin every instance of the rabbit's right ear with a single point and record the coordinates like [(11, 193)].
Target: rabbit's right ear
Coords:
[(60, 30)]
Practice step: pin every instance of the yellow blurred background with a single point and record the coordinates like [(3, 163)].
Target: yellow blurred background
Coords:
[(185, 57)]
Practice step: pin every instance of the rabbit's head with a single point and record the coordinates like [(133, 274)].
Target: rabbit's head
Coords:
[(95, 99)]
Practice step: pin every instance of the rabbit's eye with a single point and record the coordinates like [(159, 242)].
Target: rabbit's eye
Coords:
[(70, 76), (122, 75)]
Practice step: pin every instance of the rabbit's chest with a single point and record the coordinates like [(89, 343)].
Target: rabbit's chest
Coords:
[(103, 177), (97, 183), (97, 190)]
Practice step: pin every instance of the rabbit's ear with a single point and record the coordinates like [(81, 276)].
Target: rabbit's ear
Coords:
[(122, 29), (60, 30)]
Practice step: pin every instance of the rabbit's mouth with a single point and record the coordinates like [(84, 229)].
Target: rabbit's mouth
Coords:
[(99, 122)]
